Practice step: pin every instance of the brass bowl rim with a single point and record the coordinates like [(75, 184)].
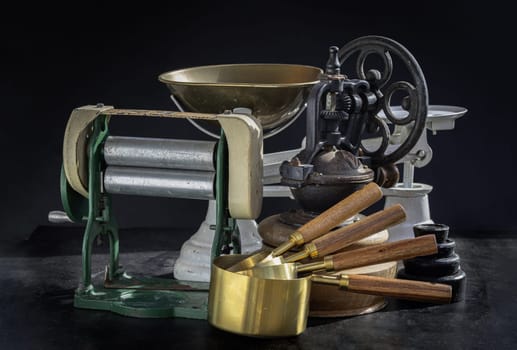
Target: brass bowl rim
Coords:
[(245, 276), (162, 78)]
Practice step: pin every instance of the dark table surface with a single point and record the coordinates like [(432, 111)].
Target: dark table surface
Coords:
[(38, 278)]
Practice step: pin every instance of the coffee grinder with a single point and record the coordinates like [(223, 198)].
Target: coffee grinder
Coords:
[(348, 142)]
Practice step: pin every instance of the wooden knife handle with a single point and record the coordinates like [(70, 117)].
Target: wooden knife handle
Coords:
[(398, 288), (365, 227), (384, 252), (340, 211)]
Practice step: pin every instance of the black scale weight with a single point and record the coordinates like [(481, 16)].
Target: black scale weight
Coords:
[(442, 267)]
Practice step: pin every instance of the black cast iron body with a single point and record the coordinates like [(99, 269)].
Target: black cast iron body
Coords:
[(342, 112)]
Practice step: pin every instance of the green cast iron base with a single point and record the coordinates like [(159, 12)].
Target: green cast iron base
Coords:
[(129, 296)]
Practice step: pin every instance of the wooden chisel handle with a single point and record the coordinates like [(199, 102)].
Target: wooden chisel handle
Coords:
[(402, 289), (391, 287), (384, 252), (340, 211), (358, 230)]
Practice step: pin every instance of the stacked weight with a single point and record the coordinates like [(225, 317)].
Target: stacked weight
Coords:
[(442, 267)]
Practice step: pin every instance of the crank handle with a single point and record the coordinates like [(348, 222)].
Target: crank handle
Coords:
[(59, 217)]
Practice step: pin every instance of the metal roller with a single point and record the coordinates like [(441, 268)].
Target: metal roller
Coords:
[(159, 182), (159, 153)]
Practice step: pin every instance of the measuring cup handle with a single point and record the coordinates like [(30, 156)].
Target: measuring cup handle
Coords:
[(384, 252), (398, 288), (340, 211), (365, 227)]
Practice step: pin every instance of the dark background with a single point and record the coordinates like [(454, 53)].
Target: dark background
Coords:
[(57, 58)]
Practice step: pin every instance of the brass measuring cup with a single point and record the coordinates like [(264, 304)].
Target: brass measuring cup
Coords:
[(258, 307)]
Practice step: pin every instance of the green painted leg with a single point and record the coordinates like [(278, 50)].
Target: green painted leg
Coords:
[(226, 236)]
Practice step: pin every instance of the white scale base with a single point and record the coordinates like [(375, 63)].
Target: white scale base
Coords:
[(194, 262), (416, 204)]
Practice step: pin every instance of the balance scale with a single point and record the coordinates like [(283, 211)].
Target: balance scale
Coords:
[(414, 196), (344, 117)]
